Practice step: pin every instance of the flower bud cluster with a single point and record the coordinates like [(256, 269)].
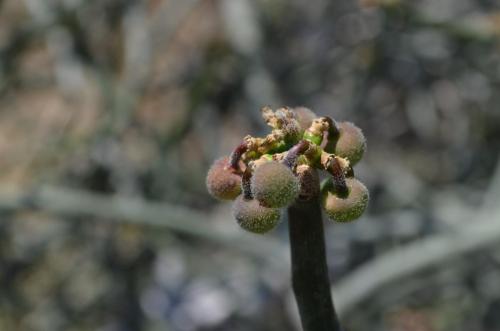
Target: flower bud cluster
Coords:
[(266, 174)]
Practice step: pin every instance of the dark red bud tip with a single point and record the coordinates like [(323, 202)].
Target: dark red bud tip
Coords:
[(235, 158), (338, 177), (331, 134)]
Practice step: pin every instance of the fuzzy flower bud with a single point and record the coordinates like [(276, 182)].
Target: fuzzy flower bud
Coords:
[(254, 217), (305, 117), (222, 182), (341, 207), (351, 143), (274, 185)]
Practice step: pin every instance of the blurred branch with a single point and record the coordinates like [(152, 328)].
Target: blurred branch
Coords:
[(166, 21), (405, 261), (244, 34), (473, 26), (18, 42), (124, 210), (144, 40), (482, 231), (490, 201)]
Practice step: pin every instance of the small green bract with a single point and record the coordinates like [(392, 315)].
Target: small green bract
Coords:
[(274, 185), (254, 217), (345, 209), (221, 182)]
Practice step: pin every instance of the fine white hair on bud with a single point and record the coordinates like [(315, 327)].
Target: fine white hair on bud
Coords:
[(222, 183), (305, 116), (344, 207), (351, 143), (274, 185), (253, 217)]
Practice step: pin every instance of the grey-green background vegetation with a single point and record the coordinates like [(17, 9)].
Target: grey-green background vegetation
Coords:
[(111, 111)]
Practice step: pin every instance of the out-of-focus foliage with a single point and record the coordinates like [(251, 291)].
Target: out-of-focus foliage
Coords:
[(137, 98)]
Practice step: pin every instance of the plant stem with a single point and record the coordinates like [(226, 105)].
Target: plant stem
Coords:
[(309, 268), (245, 183)]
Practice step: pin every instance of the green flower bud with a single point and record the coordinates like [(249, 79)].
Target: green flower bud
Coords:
[(274, 185), (254, 217), (351, 143), (344, 208), (222, 182), (305, 116)]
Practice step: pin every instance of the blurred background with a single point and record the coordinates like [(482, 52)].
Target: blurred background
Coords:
[(111, 112)]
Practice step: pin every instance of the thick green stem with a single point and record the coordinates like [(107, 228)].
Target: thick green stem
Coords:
[(310, 280)]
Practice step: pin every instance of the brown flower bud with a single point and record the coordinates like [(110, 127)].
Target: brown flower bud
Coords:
[(222, 182), (351, 143)]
